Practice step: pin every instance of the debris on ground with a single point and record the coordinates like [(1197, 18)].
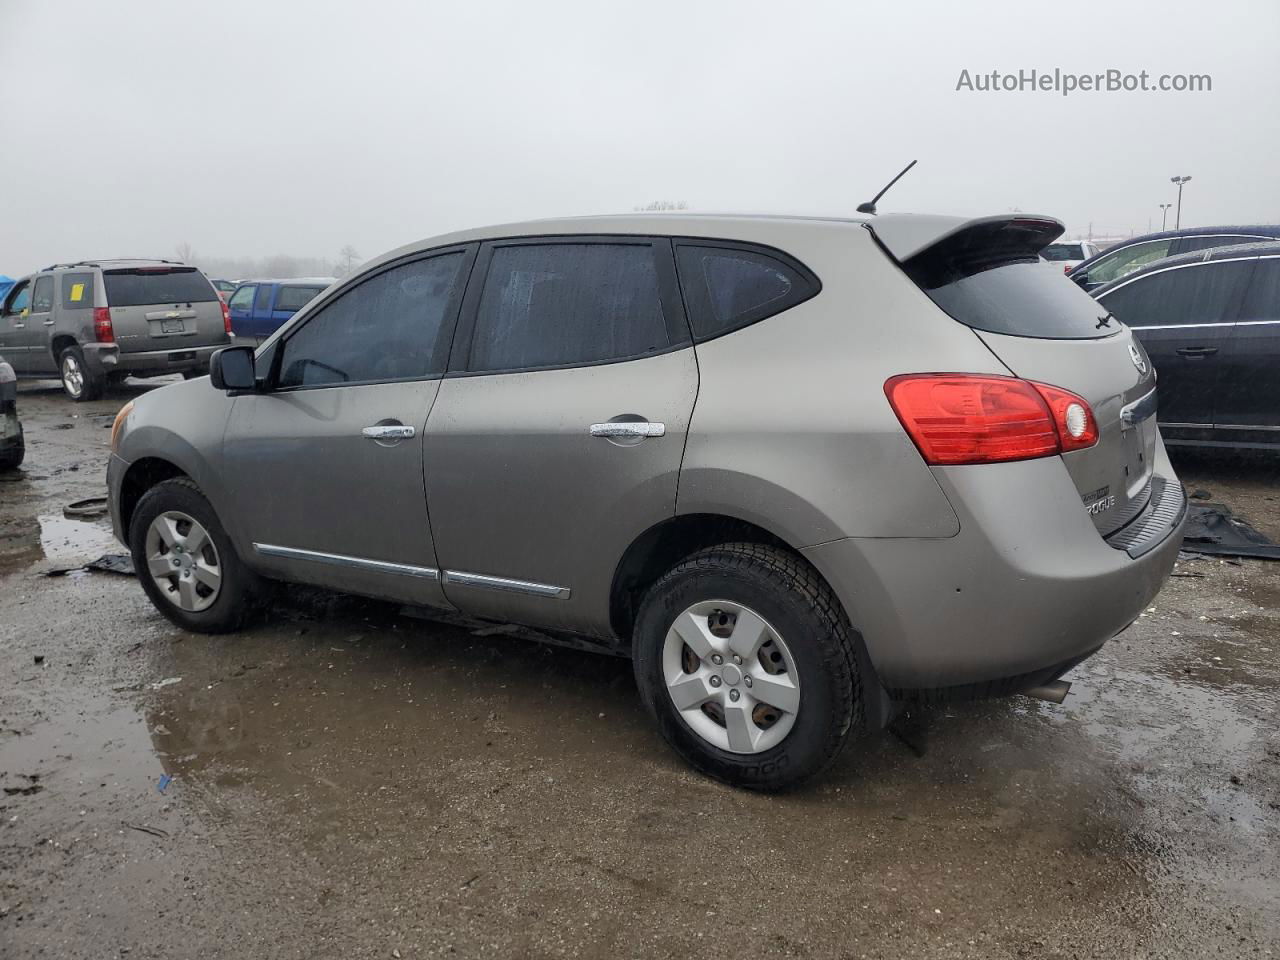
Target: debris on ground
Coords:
[(1212, 529)]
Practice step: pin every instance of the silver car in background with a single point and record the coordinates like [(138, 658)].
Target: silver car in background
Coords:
[(96, 321), (803, 471)]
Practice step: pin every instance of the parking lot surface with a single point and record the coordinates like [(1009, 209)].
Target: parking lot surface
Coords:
[(342, 780)]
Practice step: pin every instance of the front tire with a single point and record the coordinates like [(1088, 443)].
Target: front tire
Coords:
[(186, 563), (747, 661), (12, 458), (79, 381)]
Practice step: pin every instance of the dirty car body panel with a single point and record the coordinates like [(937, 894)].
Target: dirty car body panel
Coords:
[(525, 478)]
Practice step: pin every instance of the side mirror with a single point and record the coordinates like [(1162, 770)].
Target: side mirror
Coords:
[(231, 368)]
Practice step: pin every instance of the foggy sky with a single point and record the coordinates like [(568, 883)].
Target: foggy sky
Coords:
[(251, 128)]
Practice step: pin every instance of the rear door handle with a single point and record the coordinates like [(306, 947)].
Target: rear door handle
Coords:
[(1197, 351), (629, 429), (388, 431)]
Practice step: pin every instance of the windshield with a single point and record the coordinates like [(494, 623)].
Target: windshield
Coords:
[(1063, 251)]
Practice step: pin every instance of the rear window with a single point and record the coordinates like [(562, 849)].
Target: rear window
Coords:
[(295, 298), (142, 287), (1058, 252), (1020, 298)]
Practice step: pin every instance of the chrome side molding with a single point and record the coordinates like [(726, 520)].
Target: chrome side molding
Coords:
[(340, 560), (456, 577), (484, 582)]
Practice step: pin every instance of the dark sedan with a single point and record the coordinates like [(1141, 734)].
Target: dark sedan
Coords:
[(1210, 322)]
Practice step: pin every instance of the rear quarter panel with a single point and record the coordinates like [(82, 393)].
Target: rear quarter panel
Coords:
[(792, 429)]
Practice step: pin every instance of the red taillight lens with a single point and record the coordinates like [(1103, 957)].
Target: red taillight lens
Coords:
[(1072, 417), (102, 330), (971, 418), (226, 315)]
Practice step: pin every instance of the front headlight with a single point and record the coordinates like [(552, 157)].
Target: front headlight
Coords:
[(117, 428)]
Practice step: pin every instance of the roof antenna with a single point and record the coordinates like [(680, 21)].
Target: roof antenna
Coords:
[(871, 206)]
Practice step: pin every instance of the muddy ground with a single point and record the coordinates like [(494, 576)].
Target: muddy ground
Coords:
[(348, 782)]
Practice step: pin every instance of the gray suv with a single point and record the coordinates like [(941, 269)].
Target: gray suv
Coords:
[(802, 471), (98, 320)]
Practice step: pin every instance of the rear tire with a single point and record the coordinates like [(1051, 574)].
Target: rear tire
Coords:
[(186, 563), (79, 381), (804, 665)]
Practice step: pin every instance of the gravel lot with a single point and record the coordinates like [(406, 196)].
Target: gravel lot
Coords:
[(350, 782)]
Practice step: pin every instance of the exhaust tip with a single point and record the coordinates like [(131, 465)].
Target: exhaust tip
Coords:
[(1054, 692)]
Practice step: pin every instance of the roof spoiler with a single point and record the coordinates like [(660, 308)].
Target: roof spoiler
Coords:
[(1005, 237)]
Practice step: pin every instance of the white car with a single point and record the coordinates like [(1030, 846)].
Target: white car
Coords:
[(1069, 254)]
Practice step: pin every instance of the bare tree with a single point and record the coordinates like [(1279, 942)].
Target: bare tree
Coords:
[(348, 259), (186, 253), (655, 206)]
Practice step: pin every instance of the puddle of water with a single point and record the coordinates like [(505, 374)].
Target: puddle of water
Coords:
[(75, 541)]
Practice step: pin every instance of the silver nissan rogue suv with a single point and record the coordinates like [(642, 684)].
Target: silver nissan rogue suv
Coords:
[(802, 471)]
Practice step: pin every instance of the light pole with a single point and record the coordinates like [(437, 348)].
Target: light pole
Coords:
[(1177, 222), (1164, 215)]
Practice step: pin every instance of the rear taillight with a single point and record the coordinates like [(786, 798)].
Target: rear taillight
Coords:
[(972, 418), (226, 315), (102, 330)]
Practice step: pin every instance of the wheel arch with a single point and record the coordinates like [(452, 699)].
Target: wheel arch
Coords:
[(140, 477), (58, 344), (663, 545)]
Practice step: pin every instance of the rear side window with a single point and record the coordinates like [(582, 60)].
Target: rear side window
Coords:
[(561, 304), (143, 287), (1188, 244), (1021, 298), (728, 287), (42, 298), (77, 291), (295, 298), (387, 328), (1262, 301), (1202, 293), (262, 303)]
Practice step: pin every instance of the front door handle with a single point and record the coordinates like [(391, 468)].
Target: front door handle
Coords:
[(48, 323), (388, 431), (1197, 351), (628, 429)]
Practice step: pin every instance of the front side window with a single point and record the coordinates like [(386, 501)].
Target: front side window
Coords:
[(295, 298), (560, 304), (1124, 262), (728, 287), (386, 328), (77, 291), (1198, 294), (19, 298), (42, 298), (242, 299)]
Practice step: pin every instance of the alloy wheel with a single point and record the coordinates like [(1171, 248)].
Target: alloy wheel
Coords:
[(183, 561), (731, 676)]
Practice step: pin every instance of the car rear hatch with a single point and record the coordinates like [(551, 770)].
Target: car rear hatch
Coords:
[(985, 274), (163, 308)]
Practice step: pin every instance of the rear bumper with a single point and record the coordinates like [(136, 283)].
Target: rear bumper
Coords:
[(1026, 589), (109, 358)]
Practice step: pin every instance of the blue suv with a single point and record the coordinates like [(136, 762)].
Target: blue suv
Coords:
[(259, 307)]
